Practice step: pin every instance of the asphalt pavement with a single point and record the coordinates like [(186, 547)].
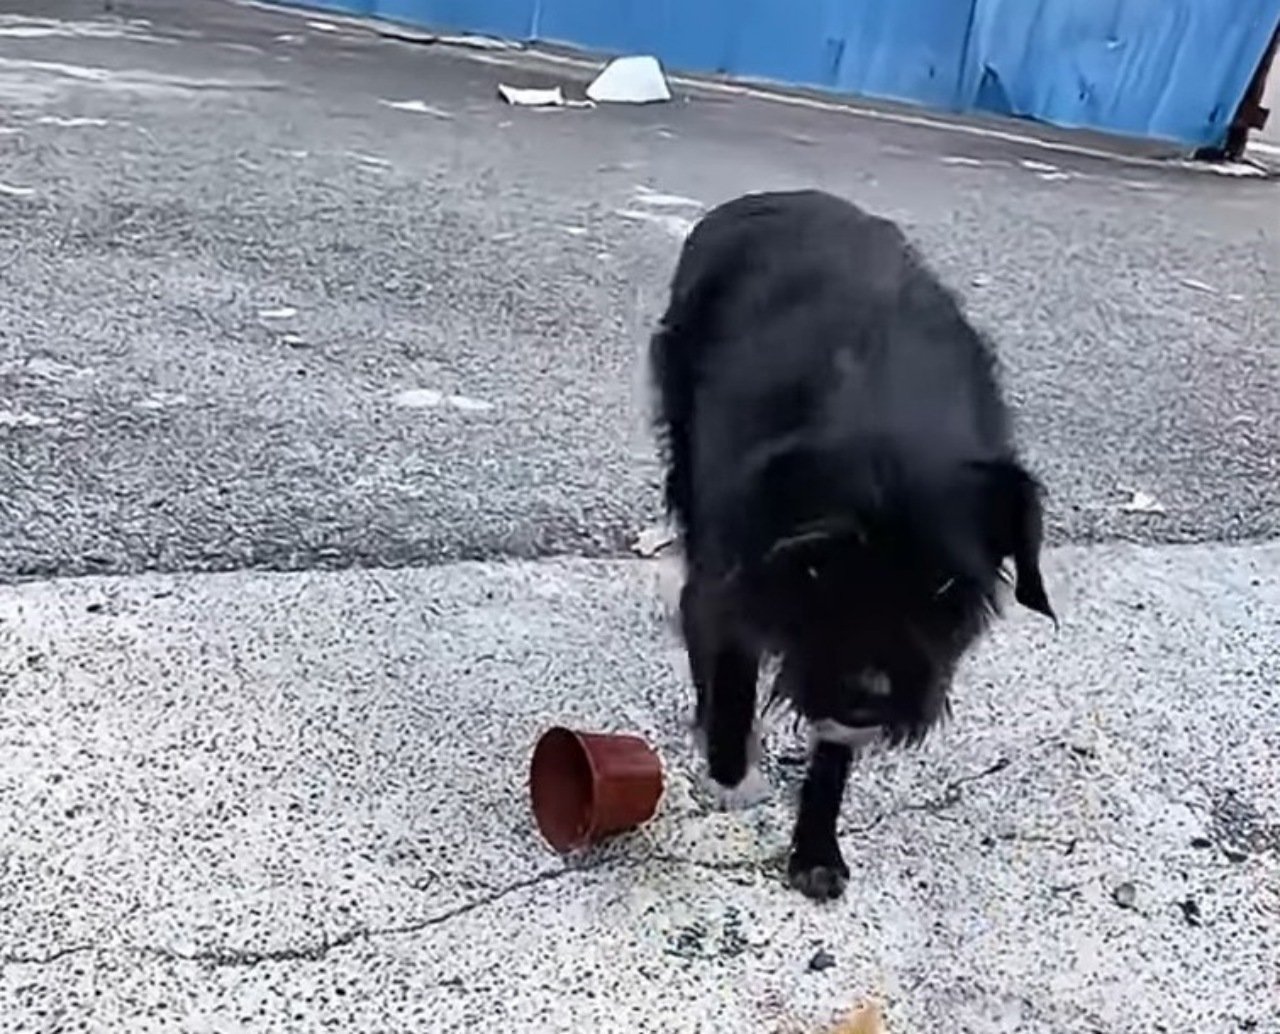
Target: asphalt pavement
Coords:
[(322, 450), (234, 242)]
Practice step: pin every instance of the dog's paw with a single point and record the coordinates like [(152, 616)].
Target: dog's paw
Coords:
[(754, 789), (818, 881)]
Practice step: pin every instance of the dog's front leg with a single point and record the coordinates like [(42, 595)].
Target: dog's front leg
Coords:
[(816, 867), (725, 672)]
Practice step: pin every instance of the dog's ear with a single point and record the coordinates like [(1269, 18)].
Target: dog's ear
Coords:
[(1019, 522)]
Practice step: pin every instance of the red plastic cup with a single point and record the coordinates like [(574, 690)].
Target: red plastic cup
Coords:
[(587, 786)]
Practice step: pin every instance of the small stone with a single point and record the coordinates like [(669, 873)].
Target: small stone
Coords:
[(1191, 912), (1125, 895), (822, 961)]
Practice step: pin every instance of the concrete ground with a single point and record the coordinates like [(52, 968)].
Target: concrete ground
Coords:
[(279, 294)]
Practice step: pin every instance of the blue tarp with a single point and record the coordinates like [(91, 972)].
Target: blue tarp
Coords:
[(1173, 70), (1165, 69)]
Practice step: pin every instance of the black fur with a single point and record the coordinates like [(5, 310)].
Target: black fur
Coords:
[(841, 467)]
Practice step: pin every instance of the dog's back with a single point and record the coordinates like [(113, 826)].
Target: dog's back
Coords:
[(804, 333)]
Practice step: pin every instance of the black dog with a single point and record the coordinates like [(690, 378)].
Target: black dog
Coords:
[(840, 463)]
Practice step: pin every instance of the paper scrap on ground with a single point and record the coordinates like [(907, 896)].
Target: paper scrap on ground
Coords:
[(532, 96), (630, 80), (1142, 502)]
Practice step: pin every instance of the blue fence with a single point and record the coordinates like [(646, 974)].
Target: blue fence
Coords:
[(1172, 70)]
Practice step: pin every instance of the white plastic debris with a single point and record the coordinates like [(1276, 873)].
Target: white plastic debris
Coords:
[(429, 398), (1198, 285), (630, 80), (478, 42), (1142, 502), (418, 107), (656, 539), (532, 97)]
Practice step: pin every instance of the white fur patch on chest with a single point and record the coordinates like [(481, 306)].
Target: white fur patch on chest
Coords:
[(857, 737)]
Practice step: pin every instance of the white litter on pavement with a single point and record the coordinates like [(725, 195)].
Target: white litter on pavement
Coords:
[(417, 107), (647, 196), (1142, 503), (70, 123), (48, 369), (532, 96), (478, 42), (1198, 285), (655, 539), (17, 418), (10, 190), (630, 80), (163, 400), (429, 398), (285, 312), (676, 225), (468, 404), (369, 159)]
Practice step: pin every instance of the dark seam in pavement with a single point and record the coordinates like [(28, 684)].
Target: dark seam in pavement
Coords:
[(317, 952), (45, 960), (951, 795)]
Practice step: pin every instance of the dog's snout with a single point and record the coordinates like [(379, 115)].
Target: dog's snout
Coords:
[(873, 683)]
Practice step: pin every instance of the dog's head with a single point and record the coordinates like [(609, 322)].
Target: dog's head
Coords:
[(884, 592)]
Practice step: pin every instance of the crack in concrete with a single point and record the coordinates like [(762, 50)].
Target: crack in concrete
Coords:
[(53, 957), (951, 795), (222, 957)]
